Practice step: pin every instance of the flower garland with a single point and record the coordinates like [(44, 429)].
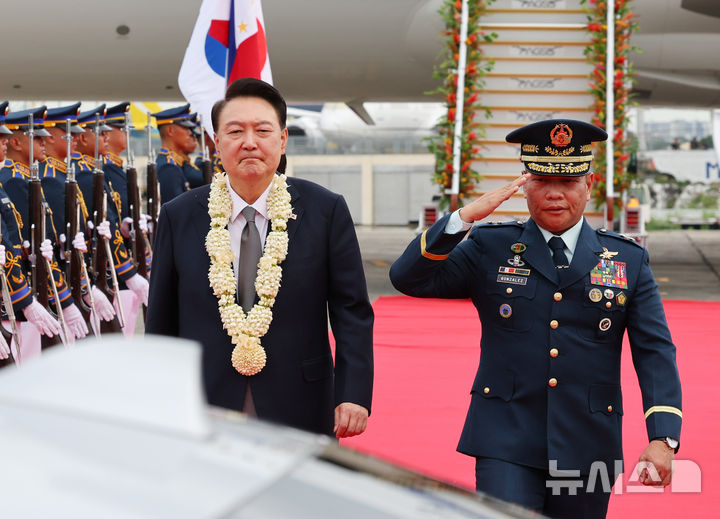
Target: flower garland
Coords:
[(625, 25), (475, 70), (248, 356)]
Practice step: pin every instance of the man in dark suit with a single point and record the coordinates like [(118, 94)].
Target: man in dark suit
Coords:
[(554, 297), (321, 277)]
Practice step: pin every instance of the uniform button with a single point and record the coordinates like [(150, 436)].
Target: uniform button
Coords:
[(557, 296), (552, 382), (486, 390), (508, 290), (609, 409), (608, 305), (554, 352), (554, 324)]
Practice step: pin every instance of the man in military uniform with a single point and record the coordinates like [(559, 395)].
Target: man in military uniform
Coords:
[(14, 178), (21, 296), (84, 165), (115, 176), (53, 175), (175, 127), (554, 297)]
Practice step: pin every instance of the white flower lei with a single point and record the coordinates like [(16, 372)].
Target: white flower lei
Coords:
[(248, 356)]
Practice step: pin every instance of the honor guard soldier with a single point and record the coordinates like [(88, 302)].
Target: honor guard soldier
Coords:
[(53, 170), (15, 177), (115, 145), (115, 175), (53, 175), (23, 303), (85, 166), (175, 127), (555, 298)]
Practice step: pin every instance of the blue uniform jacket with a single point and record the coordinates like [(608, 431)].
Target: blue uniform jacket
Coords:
[(548, 383), (171, 176)]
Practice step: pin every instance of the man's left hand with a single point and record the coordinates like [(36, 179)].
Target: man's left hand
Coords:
[(661, 456), (350, 420)]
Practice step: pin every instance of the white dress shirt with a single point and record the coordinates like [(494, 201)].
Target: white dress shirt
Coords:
[(237, 220)]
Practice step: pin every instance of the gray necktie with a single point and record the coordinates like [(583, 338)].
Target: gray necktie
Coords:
[(250, 252)]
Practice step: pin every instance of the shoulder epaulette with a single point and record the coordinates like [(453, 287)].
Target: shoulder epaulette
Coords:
[(57, 164), (20, 170), (112, 158), (602, 231)]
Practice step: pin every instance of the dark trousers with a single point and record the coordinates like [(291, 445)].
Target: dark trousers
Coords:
[(529, 487)]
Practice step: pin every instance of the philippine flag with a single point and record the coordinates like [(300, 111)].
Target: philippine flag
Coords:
[(228, 43)]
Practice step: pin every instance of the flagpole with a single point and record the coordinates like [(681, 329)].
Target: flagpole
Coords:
[(610, 116), (459, 105)]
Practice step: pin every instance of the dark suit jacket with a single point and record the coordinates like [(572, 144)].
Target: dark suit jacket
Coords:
[(323, 272), (515, 413)]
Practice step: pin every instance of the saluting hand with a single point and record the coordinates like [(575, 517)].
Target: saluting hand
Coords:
[(486, 204), (350, 420)]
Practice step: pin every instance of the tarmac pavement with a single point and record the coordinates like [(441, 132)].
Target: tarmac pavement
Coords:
[(686, 263)]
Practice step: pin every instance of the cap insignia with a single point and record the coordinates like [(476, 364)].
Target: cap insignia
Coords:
[(561, 135)]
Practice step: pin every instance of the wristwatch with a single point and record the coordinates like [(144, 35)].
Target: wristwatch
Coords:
[(670, 442)]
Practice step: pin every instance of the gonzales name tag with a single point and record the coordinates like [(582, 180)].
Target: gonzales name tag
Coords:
[(609, 273)]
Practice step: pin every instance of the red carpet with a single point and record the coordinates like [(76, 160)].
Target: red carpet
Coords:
[(426, 354)]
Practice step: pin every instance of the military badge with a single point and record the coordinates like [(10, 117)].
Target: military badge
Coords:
[(609, 294), (505, 311), (621, 298), (518, 248), (595, 295), (516, 261), (605, 324), (561, 135), (516, 271), (606, 254), (609, 273)]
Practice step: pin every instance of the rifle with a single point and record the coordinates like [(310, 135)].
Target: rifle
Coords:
[(102, 256), (153, 187), (10, 311), (205, 162), (76, 271), (139, 238), (40, 267)]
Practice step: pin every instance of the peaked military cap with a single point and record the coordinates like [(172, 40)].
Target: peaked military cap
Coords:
[(115, 115), (180, 115), (557, 147), (59, 116), (3, 112), (87, 119), (20, 121)]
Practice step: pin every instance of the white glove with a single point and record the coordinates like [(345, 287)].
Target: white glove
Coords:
[(4, 348), (103, 307), (41, 318), (46, 249), (62, 238), (125, 226), (104, 229), (79, 242), (140, 286), (142, 223), (75, 322), (2, 255)]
